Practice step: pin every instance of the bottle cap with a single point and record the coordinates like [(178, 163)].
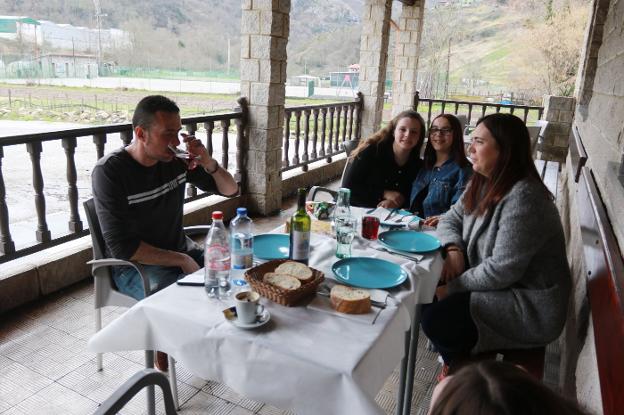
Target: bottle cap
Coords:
[(241, 211), (217, 214)]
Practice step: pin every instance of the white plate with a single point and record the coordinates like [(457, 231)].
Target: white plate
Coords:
[(261, 320)]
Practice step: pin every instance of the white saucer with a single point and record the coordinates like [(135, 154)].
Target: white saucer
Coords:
[(261, 319)]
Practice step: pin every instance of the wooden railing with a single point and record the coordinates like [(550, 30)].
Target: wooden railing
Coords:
[(473, 110), (325, 128), (69, 140)]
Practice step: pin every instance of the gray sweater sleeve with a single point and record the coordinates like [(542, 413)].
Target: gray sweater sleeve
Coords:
[(520, 226), (450, 227)]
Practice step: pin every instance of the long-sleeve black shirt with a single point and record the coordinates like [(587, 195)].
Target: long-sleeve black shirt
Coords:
[(374, 170), (135, 203)]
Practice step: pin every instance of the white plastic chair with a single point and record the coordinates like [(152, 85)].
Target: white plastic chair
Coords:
[(105, 291)]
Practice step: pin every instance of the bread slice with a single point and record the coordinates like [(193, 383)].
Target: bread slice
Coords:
[(350, 300), (297, 270), (283, 281)]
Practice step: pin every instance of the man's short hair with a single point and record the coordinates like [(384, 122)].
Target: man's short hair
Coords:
[(147, 108)]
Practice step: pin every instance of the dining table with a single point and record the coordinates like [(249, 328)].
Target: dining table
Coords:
[(304, 359)]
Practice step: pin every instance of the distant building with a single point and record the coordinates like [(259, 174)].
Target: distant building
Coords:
[(302, 80), (61, 36), (348, 79), (54, 65)]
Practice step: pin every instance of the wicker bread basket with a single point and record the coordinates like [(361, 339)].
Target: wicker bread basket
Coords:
[(276, 294)]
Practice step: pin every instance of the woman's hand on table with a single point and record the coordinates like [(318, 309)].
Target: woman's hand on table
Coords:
[(431, 221), (454, 265), (391, 200)]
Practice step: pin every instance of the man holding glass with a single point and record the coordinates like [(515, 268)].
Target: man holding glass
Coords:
[(139, 196)]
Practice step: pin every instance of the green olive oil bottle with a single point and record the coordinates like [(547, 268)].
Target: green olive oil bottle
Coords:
[(300, 226)]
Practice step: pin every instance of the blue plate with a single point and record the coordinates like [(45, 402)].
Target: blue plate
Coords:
[(368, 272), (409, 241), (271, 246)]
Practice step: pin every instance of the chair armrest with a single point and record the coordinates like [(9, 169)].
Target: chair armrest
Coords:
[(112, 262), (316, 189), (146, 377), (196, 230)]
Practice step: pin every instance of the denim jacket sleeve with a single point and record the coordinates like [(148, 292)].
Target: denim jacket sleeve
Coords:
[(462, 180)]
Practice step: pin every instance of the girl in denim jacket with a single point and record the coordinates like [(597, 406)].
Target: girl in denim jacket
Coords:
[(443, 179)]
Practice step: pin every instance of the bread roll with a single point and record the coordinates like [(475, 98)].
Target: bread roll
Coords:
[(283, 281), (297, 270), (350, 300)]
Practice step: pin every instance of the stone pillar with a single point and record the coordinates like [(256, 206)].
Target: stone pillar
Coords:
[(406, 53), (264, 36), (559, 112), (373, 62)]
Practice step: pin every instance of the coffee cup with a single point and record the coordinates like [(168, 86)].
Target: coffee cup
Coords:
[(247, 307)]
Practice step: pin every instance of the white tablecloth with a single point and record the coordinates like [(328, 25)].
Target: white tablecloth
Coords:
[(305, 360)]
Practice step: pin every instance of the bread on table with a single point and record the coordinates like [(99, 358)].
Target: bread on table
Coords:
[(298, 270), (283, 281), (350, 300)]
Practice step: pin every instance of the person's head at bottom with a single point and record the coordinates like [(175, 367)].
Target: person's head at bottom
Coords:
[(497, 388)]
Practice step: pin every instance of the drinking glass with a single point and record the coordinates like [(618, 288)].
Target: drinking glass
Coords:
[(370, 227), (345, 232)]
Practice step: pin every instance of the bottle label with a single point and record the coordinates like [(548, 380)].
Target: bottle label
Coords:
[(300, 245), (217, 258)]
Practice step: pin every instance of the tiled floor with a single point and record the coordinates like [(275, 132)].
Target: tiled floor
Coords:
[(46, 369)]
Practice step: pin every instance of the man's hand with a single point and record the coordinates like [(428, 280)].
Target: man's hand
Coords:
[(200, 154), (188, 264), (454, 266)]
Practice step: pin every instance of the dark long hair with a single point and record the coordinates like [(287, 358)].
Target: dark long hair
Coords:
[(387, 133), (499, 388), (514, 164), (457, 145)]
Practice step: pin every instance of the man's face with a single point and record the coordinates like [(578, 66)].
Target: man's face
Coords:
[(162, 133)]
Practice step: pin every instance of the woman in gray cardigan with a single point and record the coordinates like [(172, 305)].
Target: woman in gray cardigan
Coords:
[(506, 276)]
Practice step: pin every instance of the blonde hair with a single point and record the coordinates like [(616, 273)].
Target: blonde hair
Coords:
[(387, 133)]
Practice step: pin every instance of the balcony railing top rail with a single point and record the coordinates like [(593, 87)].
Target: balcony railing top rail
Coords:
[(432, 106)]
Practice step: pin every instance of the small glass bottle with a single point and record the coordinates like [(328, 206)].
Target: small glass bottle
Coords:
[(300, 227), (217, 258), (343, 207)]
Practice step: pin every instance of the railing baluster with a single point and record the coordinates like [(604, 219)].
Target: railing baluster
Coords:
[(443, 106), (351, 112), (209, 126), (34, 149), (323, 123), (191, 190), (540, 112), (498, 108), (526, 114), (469, 114), (306, 139), (225, 143), (358, 123), (126, 137), (75, 224), (330, 134), (511, 110), (99, 140), (456, 108), (285, 162), (337, 136), (242, 146), (295, 159), (483, 110), (7, 246), (429, 109), (315, 114)]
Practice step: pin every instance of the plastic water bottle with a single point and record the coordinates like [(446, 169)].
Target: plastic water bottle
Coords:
[(217, 258), (241, 240)]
